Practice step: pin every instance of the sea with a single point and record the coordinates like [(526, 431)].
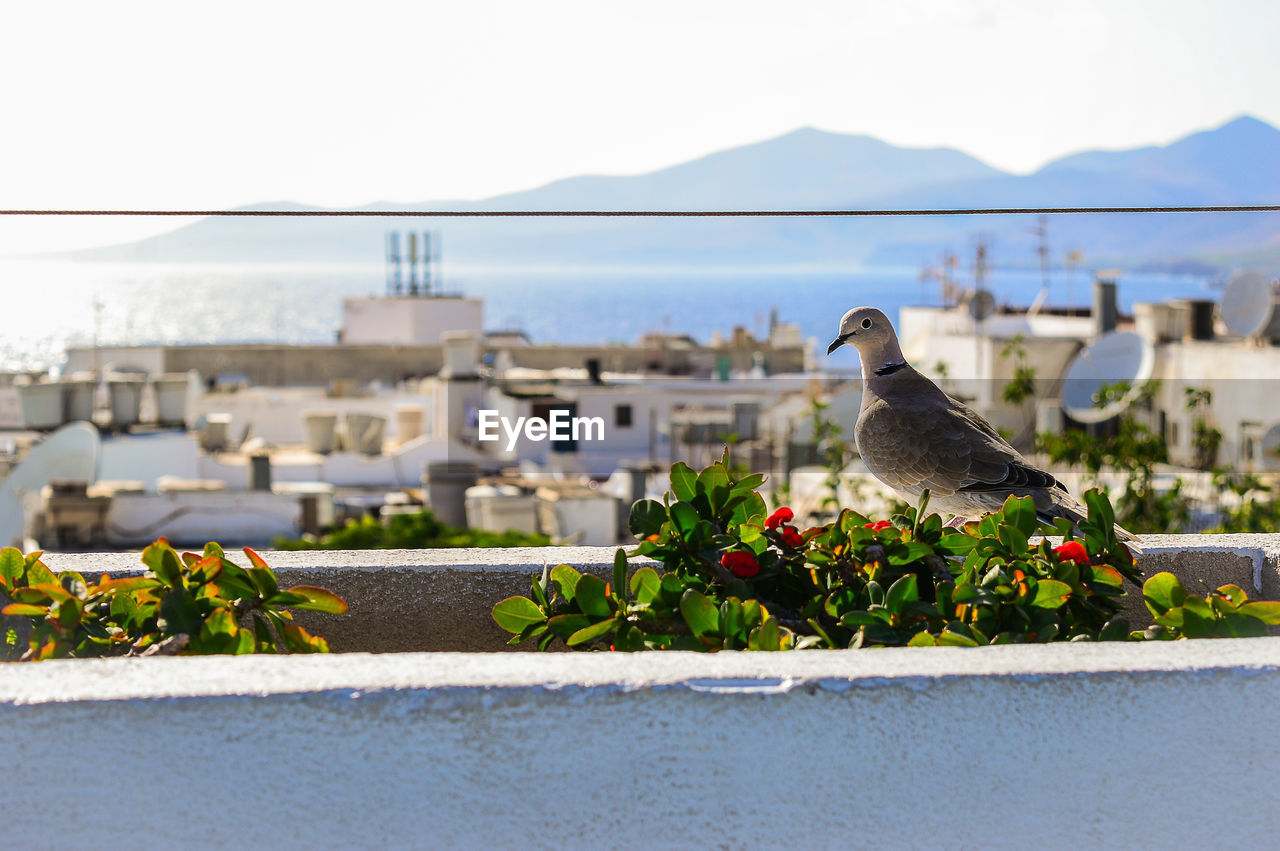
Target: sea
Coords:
[(50, 304)]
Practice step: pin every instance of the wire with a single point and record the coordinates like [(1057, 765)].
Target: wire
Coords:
[(460, 214)]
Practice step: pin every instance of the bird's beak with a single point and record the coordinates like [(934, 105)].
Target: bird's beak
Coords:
[(837, 342)]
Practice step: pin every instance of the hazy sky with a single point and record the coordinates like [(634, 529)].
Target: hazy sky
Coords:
[(164, 104)]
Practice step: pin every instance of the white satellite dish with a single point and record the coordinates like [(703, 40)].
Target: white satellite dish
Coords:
[(71, 452), (1246, 304), (1271, 449), (1118, 357)]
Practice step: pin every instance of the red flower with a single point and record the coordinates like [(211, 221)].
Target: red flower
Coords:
[(877, 526), (777, 518), (741, 562), (791, 536), (1072, 551)]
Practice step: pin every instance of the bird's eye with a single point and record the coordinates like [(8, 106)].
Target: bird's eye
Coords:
[(866, 323)]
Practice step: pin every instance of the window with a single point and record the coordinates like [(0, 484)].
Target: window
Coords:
[(622, 416)]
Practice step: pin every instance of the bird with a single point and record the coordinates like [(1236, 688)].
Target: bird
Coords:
[(913, 436)]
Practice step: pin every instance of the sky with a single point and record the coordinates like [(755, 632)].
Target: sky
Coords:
[(177, 105)]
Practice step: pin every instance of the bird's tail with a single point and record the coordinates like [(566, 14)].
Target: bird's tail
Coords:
[(1062, 504)]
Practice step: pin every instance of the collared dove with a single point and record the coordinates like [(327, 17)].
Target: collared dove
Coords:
[(913, 436)]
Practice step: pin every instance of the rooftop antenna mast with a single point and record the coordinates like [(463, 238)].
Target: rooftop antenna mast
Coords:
[(1074, 258), (429, 259), (413, 263), (1041, 231), (393, 263)]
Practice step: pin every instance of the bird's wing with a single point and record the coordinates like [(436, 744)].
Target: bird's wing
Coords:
[(929, 440)]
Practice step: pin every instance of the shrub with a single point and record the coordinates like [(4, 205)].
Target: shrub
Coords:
[(409, 531), (188, 604), (736, 578)]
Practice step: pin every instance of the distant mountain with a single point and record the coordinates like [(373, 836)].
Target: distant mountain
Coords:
[(1237, 163)]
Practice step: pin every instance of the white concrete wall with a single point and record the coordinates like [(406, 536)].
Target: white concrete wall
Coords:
[(406, 320), (1066, 746)]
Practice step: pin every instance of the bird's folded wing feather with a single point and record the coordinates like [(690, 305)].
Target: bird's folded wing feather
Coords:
[(938, 443)]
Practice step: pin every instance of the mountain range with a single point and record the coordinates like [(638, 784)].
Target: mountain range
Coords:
[(1237, 163)]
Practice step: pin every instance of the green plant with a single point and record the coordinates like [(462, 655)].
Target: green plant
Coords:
[(735, 579), (1224, 613), (1255, 507), (1133, 450), (409, 531), (834, 450), (1205, 438), (187, 604)]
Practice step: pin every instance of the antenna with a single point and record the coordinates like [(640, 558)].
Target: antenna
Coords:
[(428, 261), (1041, 230), (413, 263), (1114, 358), (1247, 303)]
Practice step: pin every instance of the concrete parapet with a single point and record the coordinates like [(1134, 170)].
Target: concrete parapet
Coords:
[(1069, 745), (440, 600)]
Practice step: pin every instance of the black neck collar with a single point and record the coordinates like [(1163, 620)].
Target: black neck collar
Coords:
[(891, 368)]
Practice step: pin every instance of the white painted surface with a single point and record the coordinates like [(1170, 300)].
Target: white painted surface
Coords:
[(1063, 746), (405, 320)]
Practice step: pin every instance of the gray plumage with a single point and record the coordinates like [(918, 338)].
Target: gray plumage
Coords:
[(913, 436)]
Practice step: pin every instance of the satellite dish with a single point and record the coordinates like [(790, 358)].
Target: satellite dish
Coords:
[(1271, 448), (1115, 358), (981, 305), (1246, 304), (71, 452)]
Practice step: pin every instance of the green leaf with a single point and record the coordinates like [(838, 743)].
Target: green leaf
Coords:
[(645, 584), (1050, 594), (1163, 592), (25, 609), (956, 635), (922, 639), (1116, 629), (515, 613), (67, 613), (1020, 513), (684, 482), (902, 594), (748, 483), (591, 633), (1100, 511), (318, 600), (566, 625), (714, 482), (12, 566), (685, 518), (957, 543), (1013, 539), (699, 613), (565, 579), (766, 636), (620, 574), (261, 574), (178, 612), (301, 641), (221, 622), (647, 517), (213, 549), (590, 596), (1264, 610), (909, 552)]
